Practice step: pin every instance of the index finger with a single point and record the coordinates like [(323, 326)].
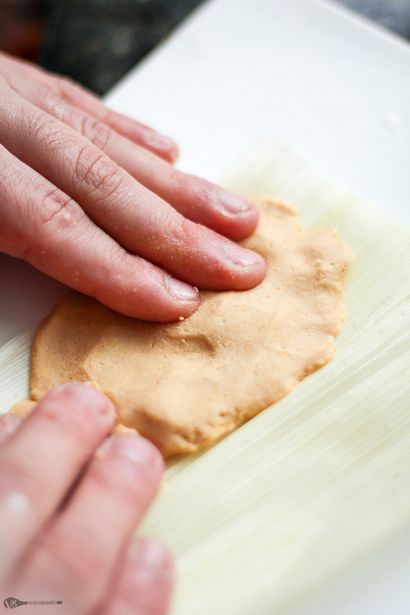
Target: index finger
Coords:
[(50, 231)]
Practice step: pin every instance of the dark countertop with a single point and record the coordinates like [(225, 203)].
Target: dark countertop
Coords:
[(97, 41), (393, 14)]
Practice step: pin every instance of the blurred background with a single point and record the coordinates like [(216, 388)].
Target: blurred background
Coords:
[(96, 42)]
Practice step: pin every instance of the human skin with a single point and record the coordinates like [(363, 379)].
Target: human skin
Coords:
[(71, 496), (91, 198)]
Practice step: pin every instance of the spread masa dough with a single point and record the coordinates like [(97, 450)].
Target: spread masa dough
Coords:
[(186, 384)]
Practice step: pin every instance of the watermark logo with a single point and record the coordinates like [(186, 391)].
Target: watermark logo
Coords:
[(13, 603)]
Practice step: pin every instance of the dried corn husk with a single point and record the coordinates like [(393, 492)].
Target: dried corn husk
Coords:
[(321, 478)]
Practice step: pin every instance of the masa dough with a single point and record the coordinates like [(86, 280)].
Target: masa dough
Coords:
[(185, 385)]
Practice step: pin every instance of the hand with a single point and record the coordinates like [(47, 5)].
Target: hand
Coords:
[(67, 511), (82, 199)]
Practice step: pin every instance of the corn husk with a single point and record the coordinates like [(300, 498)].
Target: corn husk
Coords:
[(320, 479)]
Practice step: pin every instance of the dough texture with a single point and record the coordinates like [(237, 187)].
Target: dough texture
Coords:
[(185, 385)]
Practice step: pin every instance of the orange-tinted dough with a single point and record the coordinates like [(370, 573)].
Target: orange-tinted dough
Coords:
[(185, 385)]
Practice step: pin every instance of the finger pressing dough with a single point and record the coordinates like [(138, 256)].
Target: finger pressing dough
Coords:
[(185, 385), (25, 407)]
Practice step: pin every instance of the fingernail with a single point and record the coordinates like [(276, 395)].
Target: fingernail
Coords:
[(241, 256), (232, 203), (86, 394), (150, 562), (181, 291), (154, 139), (134, 448), (153, 552)]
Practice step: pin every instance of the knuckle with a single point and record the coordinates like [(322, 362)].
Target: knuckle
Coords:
[(93, 129), (177, 182), (9, 171), (45, 130), (97, 172), (52, 213), (65, 85), (16, 476), (52, 103), (63, 112), (203, 191), (96, 131), (189, 233), (73, 91), (58, 210)]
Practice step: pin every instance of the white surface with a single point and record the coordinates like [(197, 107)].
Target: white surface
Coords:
[(379, 586), (335, 89)]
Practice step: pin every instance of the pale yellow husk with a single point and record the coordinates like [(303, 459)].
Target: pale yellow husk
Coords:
[(321, 478)]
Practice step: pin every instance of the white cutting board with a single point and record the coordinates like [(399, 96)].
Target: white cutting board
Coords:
[(333, 87)]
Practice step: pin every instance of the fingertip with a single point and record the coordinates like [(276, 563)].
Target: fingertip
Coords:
[(134, 448), (253, 276), (237, 226), (246, 223), (150, 566), (182, 292), (154, 555), (241, 257), (152, 304), (146, 579), (85, 394), (223, 211), (183, 311), (238, 268), (174, 153), (231, 203), (78, 406), (170, 311), (159, 144), (170, 153), (238, 214)]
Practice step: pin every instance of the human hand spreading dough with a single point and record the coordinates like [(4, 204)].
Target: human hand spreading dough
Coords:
[(89, 197), (68, 509)]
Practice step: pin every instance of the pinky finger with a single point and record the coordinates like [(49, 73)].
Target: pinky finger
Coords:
[(144, 584), (126, 126), (21, 73)]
